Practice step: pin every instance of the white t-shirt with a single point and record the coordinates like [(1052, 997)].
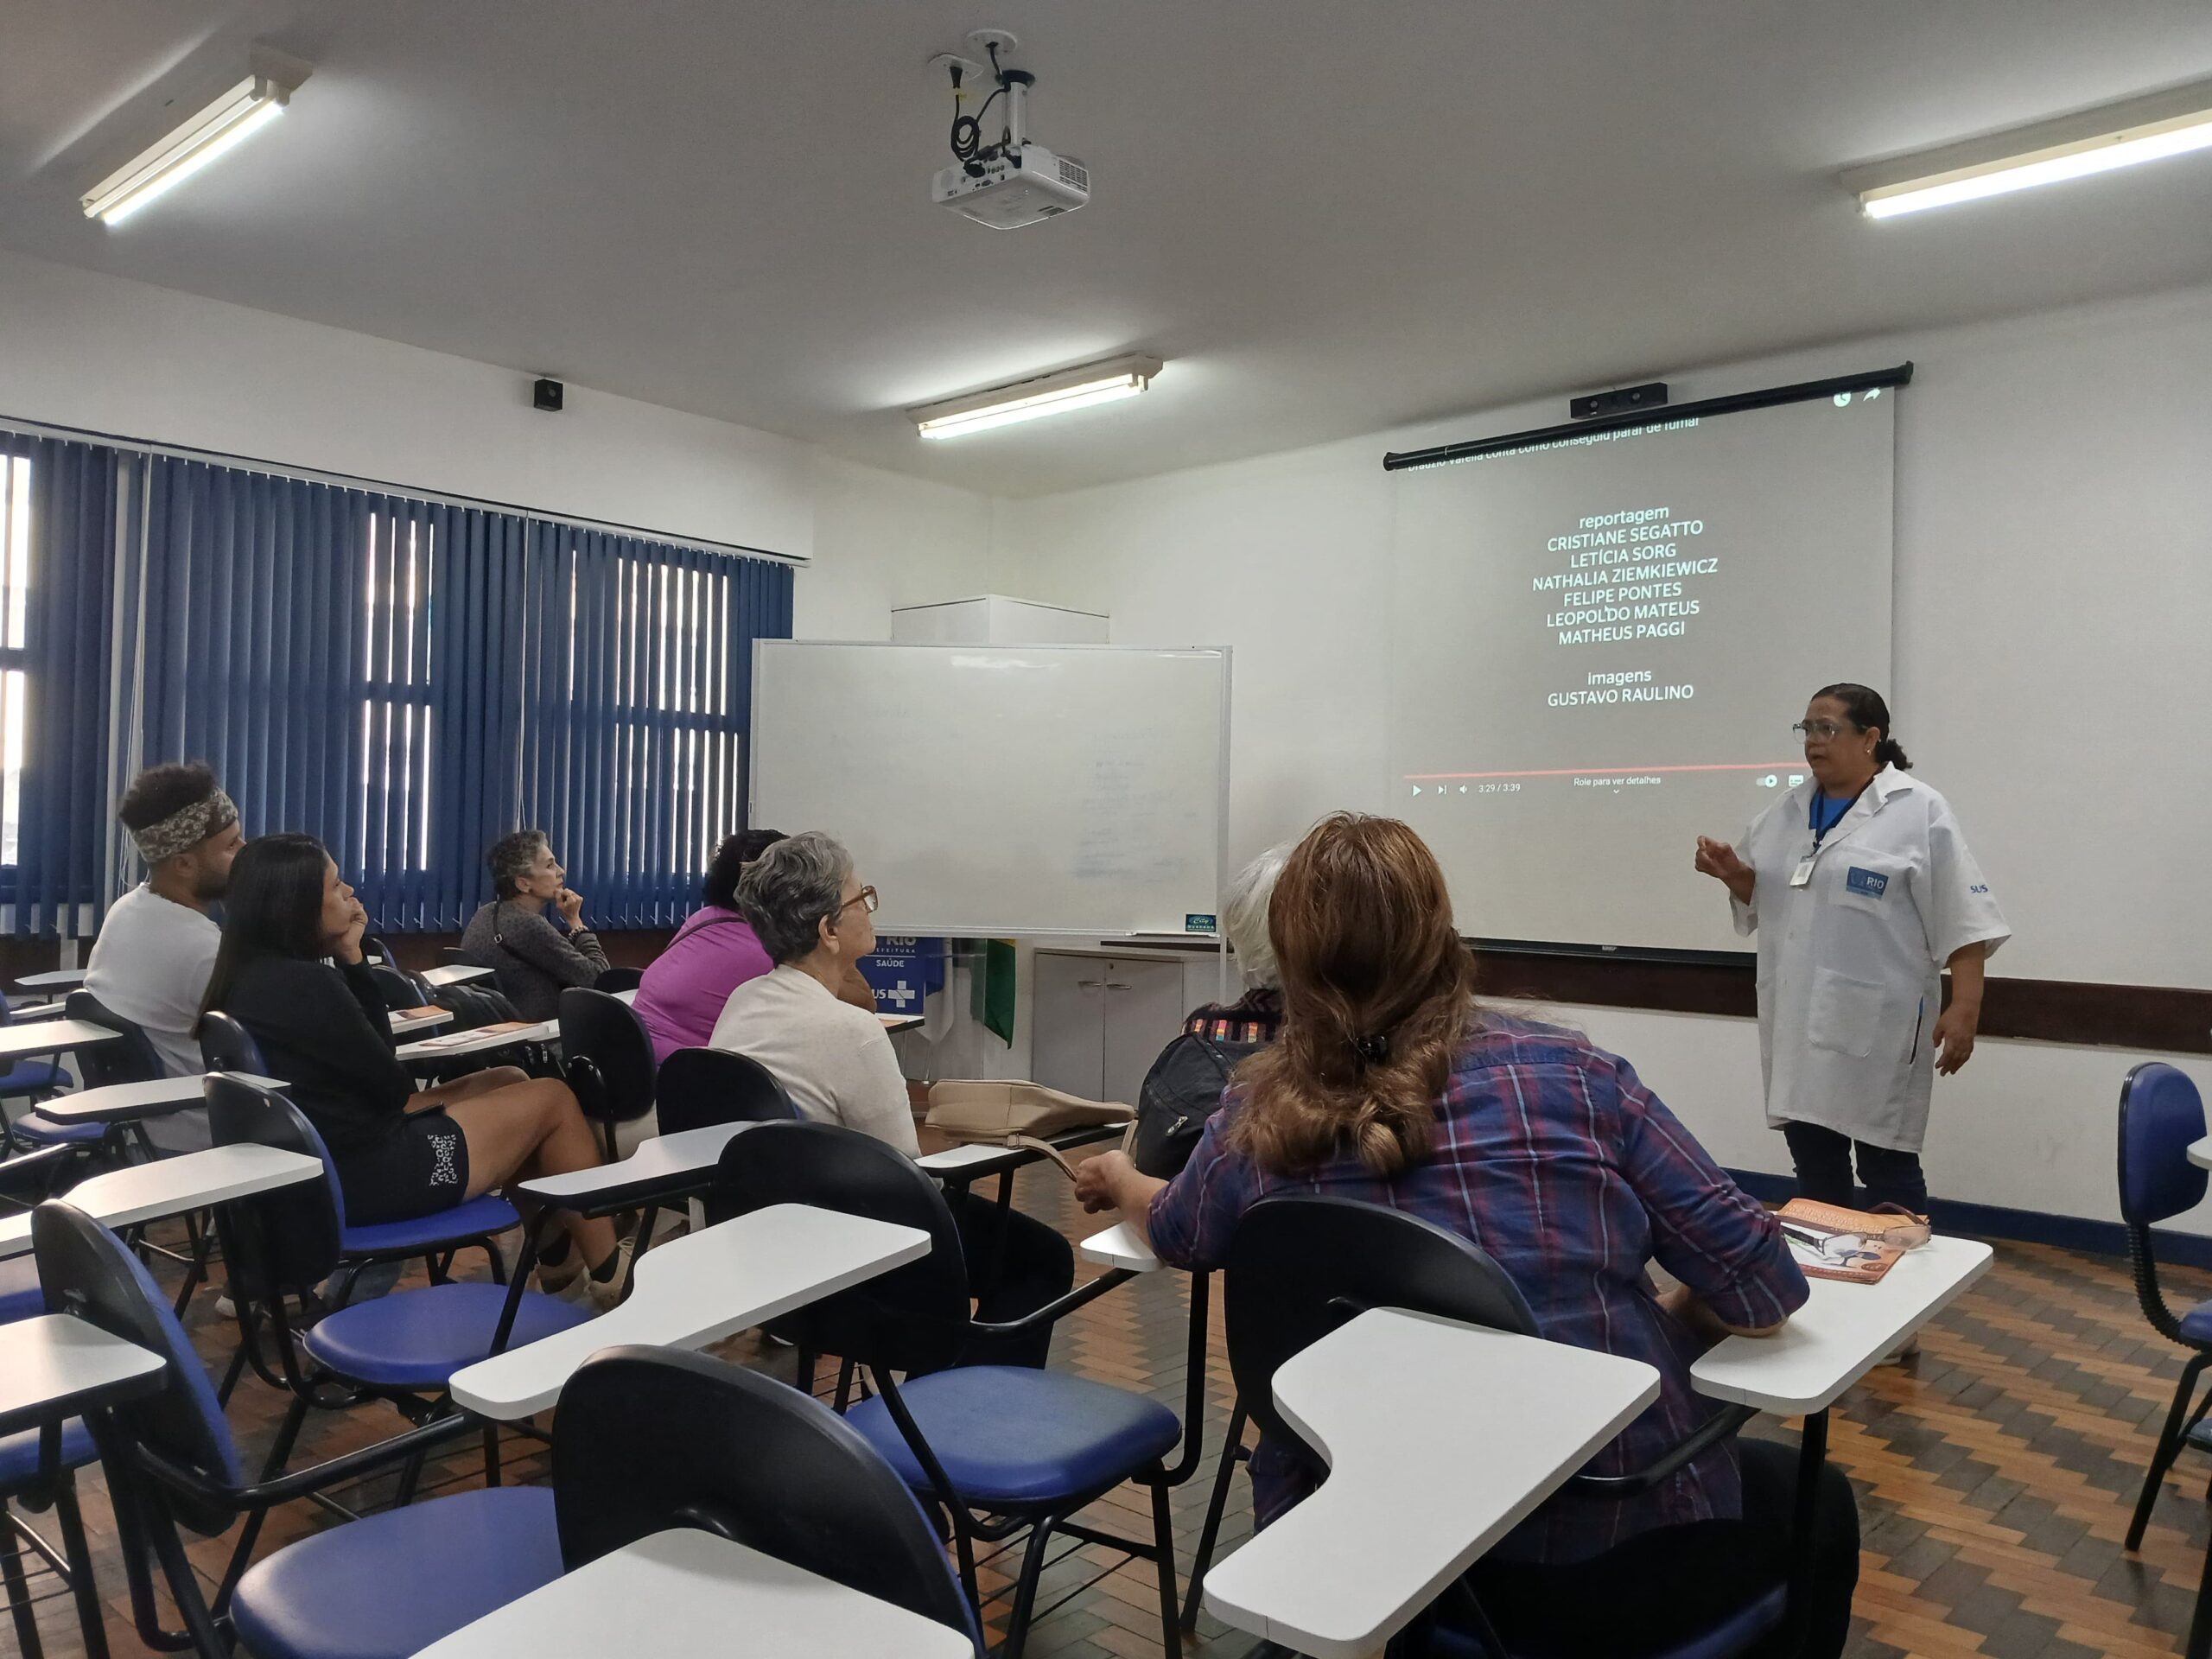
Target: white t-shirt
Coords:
[(150, 965), (834, 1060)]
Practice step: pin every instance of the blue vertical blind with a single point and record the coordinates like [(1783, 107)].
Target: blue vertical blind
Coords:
[(407, 680), (637, 688), (58, 524)]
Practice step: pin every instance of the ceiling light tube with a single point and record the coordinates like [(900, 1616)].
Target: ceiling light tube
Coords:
[(228, 122), (1028, 400), (2171, 122)]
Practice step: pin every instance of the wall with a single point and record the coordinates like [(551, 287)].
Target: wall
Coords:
[(2054, 581), (81, 349)]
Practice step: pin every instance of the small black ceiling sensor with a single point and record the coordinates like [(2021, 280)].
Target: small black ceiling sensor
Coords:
[(546, 394), (1622, 400)]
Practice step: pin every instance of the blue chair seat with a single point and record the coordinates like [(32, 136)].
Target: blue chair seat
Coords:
[(2197, 1325), (33, 1077), (19, 1454), (20, 1297), (1015, 1439), (387, 1586), (473, 1219), (41, 1130), (419, 1339)]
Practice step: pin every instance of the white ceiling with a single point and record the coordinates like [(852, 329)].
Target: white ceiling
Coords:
[(1331, 218)]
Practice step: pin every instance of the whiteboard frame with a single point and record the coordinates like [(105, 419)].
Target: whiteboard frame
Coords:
[(1218, 937)]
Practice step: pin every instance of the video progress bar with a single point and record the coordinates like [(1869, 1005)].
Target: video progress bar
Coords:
[(1588, 772)]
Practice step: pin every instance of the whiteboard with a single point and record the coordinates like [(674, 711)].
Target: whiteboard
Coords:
[(1003, 790)]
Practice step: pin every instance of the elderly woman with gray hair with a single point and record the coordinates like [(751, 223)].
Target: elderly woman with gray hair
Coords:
[(535, 960), (812, 914), (813, 917), (1256, 1016)]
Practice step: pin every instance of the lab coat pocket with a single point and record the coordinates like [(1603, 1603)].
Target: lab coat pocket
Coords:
[(1847, 1014)]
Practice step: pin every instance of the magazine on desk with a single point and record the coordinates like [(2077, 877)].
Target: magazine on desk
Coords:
[(1829, 1241)]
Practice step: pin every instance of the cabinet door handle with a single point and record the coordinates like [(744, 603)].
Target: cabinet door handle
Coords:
[(1089, 984), (1119, 985)]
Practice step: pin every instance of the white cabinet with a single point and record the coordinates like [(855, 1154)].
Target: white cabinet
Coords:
[(1100, 1020)]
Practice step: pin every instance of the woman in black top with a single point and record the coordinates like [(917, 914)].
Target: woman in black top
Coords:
[(322, 1029)]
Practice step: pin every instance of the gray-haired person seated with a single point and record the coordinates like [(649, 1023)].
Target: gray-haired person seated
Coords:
[(535, 960), (815, 918)]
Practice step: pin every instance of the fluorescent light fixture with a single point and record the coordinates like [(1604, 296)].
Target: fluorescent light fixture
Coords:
[(1028, 400), (221, 127), (2148, 128)]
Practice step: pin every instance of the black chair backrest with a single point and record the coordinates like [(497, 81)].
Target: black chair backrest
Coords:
[(84, 1270), (699, 1088), (607, 1054), (401, 989), (226, 1046), (286, 1240), (132, 1060), (648, 1438), (913, 1318), (619, 979), (1298, 1267)]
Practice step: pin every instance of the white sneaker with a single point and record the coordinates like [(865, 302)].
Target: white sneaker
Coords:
[(604, 1294)]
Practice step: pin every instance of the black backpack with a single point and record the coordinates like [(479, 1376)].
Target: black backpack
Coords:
[(1181, 1091)]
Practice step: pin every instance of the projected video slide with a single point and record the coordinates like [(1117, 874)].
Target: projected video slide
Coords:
[(1605, 643)]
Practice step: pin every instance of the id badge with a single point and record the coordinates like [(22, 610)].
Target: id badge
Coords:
[(1803, 876)]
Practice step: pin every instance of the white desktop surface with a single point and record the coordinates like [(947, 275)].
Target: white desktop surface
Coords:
[(1841, 1333), (35, 1012), (1120, 1246), (1415, 1494), (51, 1036), (664, 1157), (169, 1187), (697, 1290), (54, 979), (477, 1042), (52, 1361), (453, 973), (121, 1102), (2200, 1152), (417, 1018), (686, 1593)]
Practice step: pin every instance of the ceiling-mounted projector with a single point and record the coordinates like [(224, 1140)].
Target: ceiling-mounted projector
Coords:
[(1014, 182)]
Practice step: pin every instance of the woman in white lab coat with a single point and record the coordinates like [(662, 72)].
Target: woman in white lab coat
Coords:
[(1862, 891)]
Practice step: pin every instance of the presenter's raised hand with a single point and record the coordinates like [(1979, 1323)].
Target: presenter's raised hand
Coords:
[(1721, 861)]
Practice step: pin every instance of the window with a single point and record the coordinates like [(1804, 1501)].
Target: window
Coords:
[(15, 632), (393, 816)]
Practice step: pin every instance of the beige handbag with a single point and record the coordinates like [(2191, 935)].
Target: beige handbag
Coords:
[(1014, 1114)]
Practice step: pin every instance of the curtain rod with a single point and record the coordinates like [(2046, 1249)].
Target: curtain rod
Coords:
[(350, 480)]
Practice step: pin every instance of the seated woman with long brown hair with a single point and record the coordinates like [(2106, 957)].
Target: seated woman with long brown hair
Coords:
[(1388, 1084)]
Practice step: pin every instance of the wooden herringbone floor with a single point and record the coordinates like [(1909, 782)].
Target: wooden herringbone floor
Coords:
[(1994, 1473)]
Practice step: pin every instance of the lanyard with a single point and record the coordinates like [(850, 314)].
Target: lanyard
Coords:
[(1812, 816)]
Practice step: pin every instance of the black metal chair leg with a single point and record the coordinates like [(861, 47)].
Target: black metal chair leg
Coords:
[(491, 1454), (231, 1376), (845, 1369), (1163, 1538), (1024, 1590), (91, 1621), (1231, 1446), (2168, 1448), (2199, 1622), (19, 1590)]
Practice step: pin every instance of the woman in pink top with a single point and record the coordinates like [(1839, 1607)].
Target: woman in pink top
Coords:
[(712, 954)]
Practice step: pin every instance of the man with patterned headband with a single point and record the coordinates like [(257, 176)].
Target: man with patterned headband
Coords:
[(156, 947)]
